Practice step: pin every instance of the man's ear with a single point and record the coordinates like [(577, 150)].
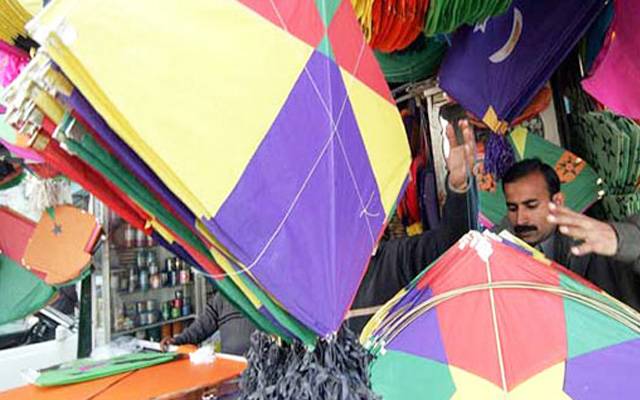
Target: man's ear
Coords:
[(558, 199)]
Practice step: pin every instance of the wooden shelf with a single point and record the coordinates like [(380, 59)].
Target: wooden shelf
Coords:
[(152, 290)]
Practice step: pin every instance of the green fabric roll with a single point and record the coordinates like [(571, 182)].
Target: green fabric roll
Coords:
[(412, 65)]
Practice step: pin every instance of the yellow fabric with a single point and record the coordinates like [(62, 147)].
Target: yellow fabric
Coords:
[(363, 11), (48, 105), (223, 262), (519, 138), (383, 135), (546, 385), (379, 316), (13, 17), (179, 101), (160, 229), (31, 6), (491, 120), (415, 229)]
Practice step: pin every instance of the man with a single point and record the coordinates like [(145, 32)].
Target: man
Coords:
[(607, 254), (397, 262), (219, 314)]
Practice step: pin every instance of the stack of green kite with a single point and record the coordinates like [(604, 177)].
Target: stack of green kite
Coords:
[(418, 61), (612, 145), (445, 16), (87, 369)]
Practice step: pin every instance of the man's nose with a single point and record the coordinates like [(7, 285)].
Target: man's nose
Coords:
[(522, 217)]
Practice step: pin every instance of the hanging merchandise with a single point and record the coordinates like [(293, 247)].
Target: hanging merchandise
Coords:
[(338, 98), (13, 18), (496, 69), (417, 62), (12, 61), (612, 145), (445, 16), (363, 12), (615, 79), (60, 248), (496, 318), (596, 37), (21, 291), (579, 182), (394, 23)]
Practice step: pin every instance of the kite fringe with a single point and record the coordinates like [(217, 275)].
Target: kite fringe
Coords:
[(335, 369)]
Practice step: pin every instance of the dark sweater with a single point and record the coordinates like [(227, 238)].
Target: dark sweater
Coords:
[(219, 314), (397, 262)]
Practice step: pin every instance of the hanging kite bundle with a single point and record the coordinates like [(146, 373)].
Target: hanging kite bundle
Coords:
[(415, 63), (615, 79), (13, 18), (446, 16), (612, 145), (237, 205), (495, 70), (390, 25), (493, 316)]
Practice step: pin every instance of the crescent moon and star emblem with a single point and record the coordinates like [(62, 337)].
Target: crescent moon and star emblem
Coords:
[(516, 31)]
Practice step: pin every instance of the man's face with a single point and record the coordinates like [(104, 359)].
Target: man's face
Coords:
[(528, 206)]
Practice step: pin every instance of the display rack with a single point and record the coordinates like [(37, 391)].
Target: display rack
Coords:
[(148, 310)]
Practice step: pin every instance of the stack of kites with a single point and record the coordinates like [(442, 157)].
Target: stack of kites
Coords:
[(579, 182), (406, 34), (612, 145), (495, 70), (37, 258), (417, 62), (446, 16), (493, 319), (390, 25), (615, 77), (275, 181), (13, 41)]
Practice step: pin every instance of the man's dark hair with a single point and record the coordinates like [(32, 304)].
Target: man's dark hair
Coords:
[(530, 166)]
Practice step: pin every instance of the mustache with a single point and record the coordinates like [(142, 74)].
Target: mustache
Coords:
[(520, 229)]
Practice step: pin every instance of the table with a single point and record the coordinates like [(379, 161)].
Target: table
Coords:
[(172, 380)]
